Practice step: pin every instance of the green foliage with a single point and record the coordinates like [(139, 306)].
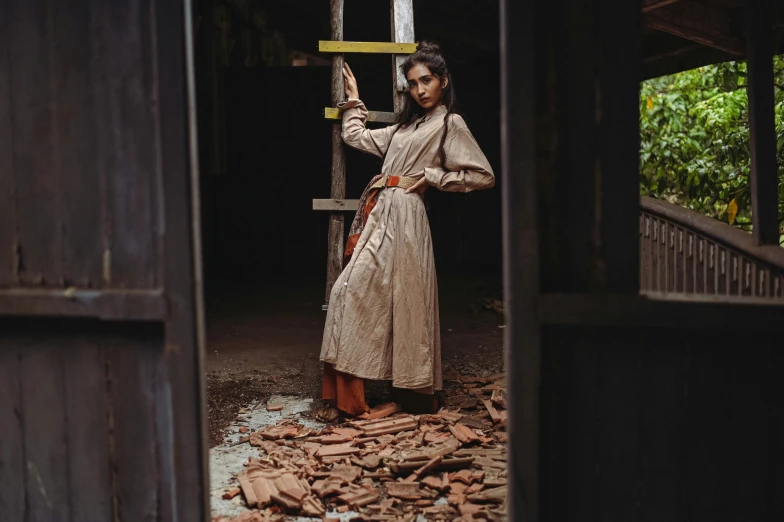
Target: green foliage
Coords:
[(694, 139)]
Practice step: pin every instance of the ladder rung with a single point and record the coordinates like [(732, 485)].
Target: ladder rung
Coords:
[(326, 46), (336, 204), (332, 113)]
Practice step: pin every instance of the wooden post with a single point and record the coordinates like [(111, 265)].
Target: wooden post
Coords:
[(402, 17), (521, 254), (338, 190), (762, 133)]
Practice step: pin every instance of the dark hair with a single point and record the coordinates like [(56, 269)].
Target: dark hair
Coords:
[(429, 55)]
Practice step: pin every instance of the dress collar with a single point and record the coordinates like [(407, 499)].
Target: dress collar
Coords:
[(441, 109)]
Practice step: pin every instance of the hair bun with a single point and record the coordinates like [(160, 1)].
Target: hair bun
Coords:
[(429, 47)]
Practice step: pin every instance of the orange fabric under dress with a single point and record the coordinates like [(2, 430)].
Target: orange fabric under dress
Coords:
[(346, 390)]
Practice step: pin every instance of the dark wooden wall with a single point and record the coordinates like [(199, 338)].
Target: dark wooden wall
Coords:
[(623, 407), (100, 396)]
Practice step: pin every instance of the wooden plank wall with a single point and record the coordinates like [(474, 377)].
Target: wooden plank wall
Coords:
[(621, 408), (656, 424), (79, 413), (79, 136), (97, 163)]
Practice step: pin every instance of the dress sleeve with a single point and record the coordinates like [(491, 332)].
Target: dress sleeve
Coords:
[(467, 167), (372, 141)]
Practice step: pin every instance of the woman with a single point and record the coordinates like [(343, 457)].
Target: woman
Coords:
[(382, 322)]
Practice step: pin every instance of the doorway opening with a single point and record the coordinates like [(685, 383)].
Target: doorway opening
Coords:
[(265, 154)]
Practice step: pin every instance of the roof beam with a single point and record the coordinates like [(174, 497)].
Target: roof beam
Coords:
[(706, 25), (651, 5)]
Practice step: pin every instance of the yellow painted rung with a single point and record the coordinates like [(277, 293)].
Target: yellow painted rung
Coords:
[(331, 113), (326, 46)]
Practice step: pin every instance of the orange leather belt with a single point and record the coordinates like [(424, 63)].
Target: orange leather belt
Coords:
[(403, 182)]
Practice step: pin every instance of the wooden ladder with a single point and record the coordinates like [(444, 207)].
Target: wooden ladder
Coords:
[(402, 17)]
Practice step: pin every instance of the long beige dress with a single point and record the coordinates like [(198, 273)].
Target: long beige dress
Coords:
[(382, 321)]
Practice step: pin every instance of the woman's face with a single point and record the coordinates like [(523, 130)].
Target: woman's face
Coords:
[(425, 87)]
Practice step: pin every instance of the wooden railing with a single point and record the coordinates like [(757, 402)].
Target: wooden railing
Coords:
[(683, 253)]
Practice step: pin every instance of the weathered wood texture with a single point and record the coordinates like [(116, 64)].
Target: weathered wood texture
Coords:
[(762, 131), (706, 24), (338, 186), (181, 405), (79, 134), (519, 177), (588, 140), (402, 21), (336, 204), (99, 420), (339, 46), (8, 239), (331, 113), (647, 425), (79, 431)]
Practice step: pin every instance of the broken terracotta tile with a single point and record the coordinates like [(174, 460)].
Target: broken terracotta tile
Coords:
[(328, 486), (478, 476), (346, 473), (429, 466), (456, 499), (463, 433), (450, 415), (424, 502), (495, 495), (247, 490), (499, 397), (464, 476), (264, 488), (274, 407), (441, 510), (471, 509), (391, 426), (231, 494), (494, 482), (346, 432), (279, 431), (368, 461), (337, 450), (335, 439), (436, 437), (501, 436), (382, 410), (312, 507), (288, 500), (387, 452), (404, 490), (471, 422), (492, 411), (434, 482), (359, 496), (486, 462), (458, 487), (475, 488)]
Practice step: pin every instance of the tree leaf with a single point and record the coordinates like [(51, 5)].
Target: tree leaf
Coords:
[(732, 211)]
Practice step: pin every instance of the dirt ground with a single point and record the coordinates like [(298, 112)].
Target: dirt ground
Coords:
[(266, 341)]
